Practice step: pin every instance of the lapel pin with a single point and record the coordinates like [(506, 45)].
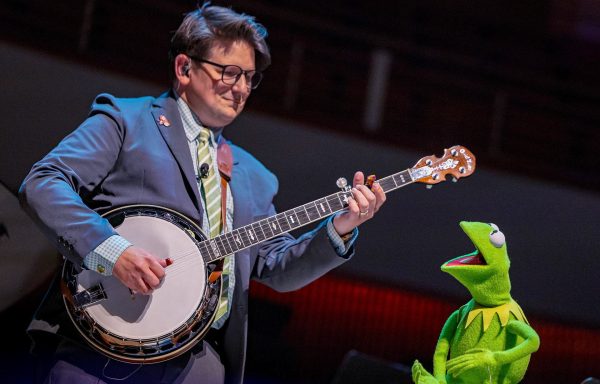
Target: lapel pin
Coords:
[(162, 120)]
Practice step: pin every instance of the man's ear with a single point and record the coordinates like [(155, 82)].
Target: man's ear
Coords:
[(182, 68)]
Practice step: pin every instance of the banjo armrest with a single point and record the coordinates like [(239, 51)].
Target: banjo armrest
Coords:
[(88, 297)]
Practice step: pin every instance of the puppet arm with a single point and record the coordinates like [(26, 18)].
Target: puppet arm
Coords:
[(529, 345), (481, 357), (442, 348), (419, 374)]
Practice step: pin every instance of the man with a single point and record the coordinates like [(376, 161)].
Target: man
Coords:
[(159, 151)]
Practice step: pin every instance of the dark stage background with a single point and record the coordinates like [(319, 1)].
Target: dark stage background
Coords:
[(372, 86)]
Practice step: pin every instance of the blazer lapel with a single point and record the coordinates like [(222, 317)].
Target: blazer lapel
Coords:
[(166, 116)]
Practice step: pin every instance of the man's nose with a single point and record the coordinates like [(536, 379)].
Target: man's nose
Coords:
[(242, 84)]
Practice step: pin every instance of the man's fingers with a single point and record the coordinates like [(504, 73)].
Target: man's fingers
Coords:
[(359, 199), (366, 200), (379, 195), (359, 178), (142, 287), (165, 262), (139, 270), (353, 206), (157, 268), (151, 279), (362, 205), (368, 194)]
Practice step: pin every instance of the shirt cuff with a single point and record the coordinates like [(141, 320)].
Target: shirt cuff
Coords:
[(104, 257), (341, 247)]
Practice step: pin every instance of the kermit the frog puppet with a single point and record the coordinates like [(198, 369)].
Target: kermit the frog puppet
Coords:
[(488, 340)]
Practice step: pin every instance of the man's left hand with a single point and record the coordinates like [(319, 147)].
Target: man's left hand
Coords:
[(362, 206)]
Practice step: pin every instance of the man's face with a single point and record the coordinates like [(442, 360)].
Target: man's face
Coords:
[(217, 104)]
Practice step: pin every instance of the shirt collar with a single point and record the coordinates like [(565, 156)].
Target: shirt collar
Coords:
[(192, 124)]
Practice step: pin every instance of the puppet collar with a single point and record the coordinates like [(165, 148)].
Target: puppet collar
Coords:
[(503, 312)]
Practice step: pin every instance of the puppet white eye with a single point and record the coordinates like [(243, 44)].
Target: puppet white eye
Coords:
[(496, 237)]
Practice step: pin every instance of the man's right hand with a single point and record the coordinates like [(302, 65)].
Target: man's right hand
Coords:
[(139, 270)]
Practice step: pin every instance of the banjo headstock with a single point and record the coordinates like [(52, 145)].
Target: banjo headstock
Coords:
[(456, 161)]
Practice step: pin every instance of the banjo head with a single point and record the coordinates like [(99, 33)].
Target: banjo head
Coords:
[(148, 328)]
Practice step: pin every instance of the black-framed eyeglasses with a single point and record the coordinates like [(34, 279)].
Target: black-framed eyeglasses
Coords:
[(231, 74)]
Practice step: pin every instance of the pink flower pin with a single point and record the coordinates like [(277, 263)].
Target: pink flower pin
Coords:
[(162, 120)]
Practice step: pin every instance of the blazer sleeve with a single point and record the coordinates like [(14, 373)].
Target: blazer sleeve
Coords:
[(284, 263), (55, 191)]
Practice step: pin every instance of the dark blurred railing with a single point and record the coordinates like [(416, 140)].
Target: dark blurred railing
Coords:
[(507, 80)]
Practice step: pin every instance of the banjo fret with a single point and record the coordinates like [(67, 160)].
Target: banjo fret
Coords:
[(283, 222), (266, 229), (258, 230)]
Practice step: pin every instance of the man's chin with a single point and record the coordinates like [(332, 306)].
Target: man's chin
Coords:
[(229, 117), (224, 116), (235, 110), (237, 107)]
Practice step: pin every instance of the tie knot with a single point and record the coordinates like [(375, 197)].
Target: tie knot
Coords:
[(204, 135)]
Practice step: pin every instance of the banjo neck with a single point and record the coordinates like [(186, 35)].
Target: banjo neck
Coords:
[(457, 161)]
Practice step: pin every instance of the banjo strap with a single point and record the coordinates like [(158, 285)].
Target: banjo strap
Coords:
[(225, 163)]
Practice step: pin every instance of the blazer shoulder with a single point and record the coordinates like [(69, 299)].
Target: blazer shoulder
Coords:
[(107, 102), (253, 168), (246, 160), (129, 111)]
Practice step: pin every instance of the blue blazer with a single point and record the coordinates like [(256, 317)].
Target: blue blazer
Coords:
[(121, 155)]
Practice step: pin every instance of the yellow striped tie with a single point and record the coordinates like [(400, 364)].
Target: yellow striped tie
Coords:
[(210, 185), (212, 204)]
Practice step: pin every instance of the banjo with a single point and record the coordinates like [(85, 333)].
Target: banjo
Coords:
[(136, 328)]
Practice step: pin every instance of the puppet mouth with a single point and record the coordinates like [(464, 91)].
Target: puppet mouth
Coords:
[(474, 258)]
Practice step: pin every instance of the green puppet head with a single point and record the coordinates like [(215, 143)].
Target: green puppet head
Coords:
[(483, 272)]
